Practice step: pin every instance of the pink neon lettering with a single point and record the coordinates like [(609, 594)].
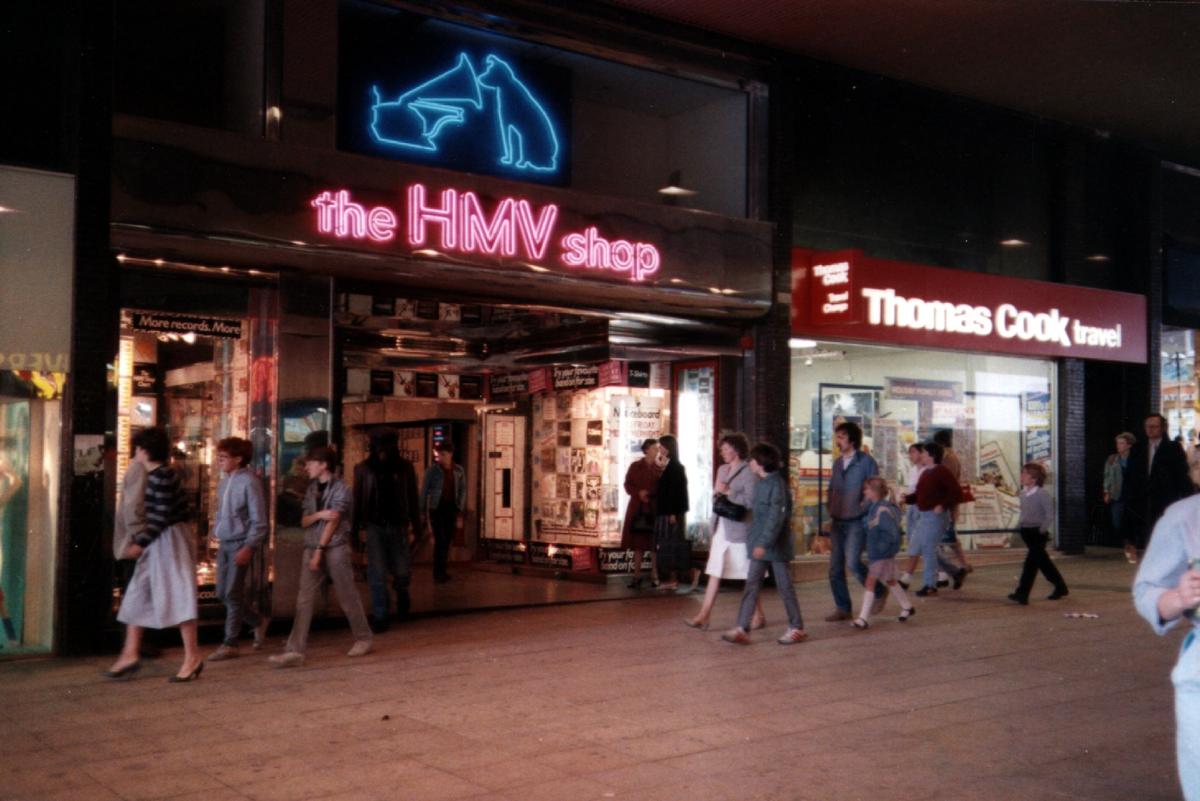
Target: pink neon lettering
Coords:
[(337, 214), (535, 237), (575, 246), (445, 216), (479, 235), (381, 224), (592, 251)]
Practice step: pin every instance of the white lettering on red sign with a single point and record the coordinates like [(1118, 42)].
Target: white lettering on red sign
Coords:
[(833, 274), (886, 308), (457, 222)]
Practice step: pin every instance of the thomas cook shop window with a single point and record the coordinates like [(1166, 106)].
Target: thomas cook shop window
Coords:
[(999, 411)]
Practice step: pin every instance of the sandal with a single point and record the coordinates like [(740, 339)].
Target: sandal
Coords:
[(687, 621), (907, 613), (859, 623)]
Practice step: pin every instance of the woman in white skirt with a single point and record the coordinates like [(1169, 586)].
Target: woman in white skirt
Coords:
[(162, 592), (727, 556)]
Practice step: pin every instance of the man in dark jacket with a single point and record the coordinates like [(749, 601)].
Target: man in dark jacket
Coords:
[(1156, 477), (385, 504)]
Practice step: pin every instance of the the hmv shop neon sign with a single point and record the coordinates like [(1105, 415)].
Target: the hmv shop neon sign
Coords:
[(457, 222), (495, 100)]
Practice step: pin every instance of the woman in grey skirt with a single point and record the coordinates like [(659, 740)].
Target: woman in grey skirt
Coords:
[(162, 592)]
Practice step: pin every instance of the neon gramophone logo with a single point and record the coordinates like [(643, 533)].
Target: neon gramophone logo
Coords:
[(464, 96)]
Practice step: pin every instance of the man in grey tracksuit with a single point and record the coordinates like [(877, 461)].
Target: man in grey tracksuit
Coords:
[(241, 527)]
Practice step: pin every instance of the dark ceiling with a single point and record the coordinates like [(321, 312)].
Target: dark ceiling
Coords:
[(1130, 69)]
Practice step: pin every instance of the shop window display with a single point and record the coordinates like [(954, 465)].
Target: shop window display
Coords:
[(585, 441), (1178, 371), (203, 379), (30, 426), (999, 411)]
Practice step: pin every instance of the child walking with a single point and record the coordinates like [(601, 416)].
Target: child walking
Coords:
[(883, 543), (1037, 512)]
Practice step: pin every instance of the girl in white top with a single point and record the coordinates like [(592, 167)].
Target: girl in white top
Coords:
[(727, 556)]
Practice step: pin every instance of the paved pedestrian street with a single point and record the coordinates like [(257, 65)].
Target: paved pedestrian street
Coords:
[(975, 698)]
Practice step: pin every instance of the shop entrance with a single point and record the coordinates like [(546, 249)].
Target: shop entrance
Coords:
[(547, 409)]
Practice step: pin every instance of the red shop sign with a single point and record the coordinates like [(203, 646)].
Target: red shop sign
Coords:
[(847, 295)]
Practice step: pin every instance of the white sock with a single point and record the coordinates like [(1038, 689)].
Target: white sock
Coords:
[(906, 577), (943, 576), (868, 599), (901, 596)]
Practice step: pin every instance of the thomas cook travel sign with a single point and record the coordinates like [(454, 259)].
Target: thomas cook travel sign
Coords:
[(848, 295)]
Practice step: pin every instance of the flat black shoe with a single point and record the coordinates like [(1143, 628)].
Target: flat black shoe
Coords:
[(945, 583), (124, 672), (925, 592), (195, 674), (1012, 596), (1054, 596), (959, 578)]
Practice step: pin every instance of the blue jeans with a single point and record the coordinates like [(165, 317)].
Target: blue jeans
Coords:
[(231, 589), (1186, 678), (387, 553), (847, 540), (783, 583), (928, 528)]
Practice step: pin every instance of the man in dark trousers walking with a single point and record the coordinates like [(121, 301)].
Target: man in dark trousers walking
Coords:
[(1156, 477), (386, 506)]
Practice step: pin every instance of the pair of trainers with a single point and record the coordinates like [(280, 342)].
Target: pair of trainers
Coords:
[(227, 651), (738, 636), (295, 659)]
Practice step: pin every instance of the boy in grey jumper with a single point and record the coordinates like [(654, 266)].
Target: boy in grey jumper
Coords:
[(241, 527), (1037, 512)]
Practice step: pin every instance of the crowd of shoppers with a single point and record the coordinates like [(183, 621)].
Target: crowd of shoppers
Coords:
[(751, 528)]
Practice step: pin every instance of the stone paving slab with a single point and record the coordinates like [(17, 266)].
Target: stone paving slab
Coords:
[(975, 698)]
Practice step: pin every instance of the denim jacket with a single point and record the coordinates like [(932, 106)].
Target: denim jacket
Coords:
[(241, 518), (431, 489), (883, 531), (846, 486), (771, 528)]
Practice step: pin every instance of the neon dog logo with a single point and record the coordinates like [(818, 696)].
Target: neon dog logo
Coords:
[(463, 96)]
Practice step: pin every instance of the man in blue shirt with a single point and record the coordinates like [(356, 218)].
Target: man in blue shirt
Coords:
[(848, 534)]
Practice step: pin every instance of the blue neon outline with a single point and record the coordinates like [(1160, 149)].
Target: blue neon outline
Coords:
[(436, 112)]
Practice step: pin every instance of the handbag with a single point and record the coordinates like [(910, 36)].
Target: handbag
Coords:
[(723, 507)]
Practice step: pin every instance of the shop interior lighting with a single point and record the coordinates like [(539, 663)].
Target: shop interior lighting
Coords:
[(1097, 257), (6, 210), (675, 187), (1013, 243), (426, 252), (801, 344)]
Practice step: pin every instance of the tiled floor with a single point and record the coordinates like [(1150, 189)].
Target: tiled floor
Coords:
[(976, 698)]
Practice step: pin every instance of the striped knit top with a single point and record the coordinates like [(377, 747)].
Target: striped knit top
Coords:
[(166, 504)]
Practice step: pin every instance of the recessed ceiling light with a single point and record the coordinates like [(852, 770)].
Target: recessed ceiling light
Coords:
[(801, 344), (1097, 257), (1013, 243)]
